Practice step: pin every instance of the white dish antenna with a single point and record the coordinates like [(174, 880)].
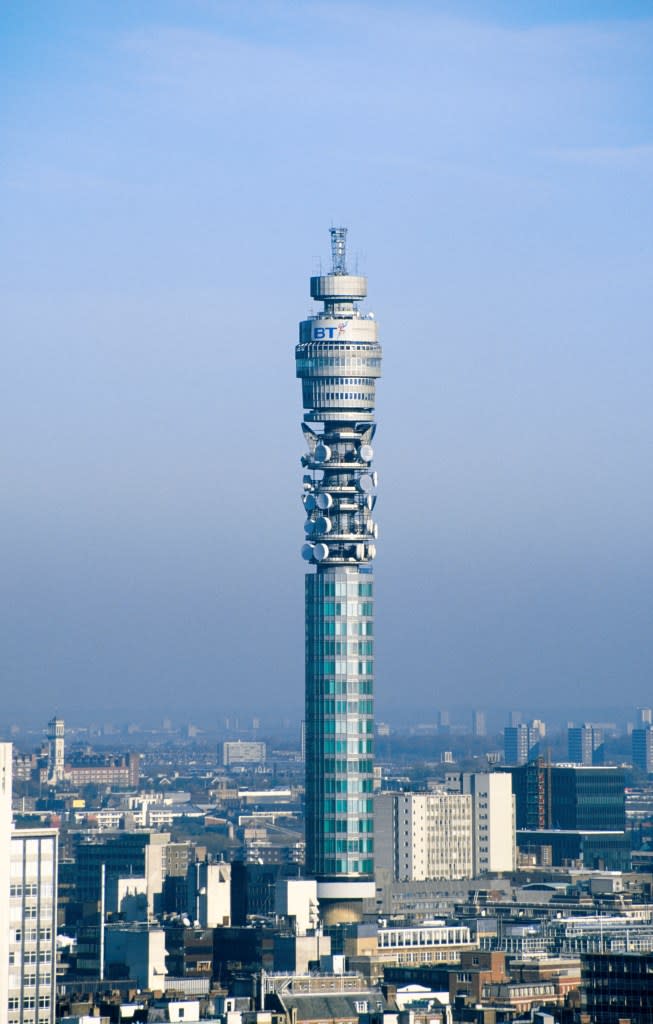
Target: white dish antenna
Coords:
[(320, 552), (324, 500), (322, 452)]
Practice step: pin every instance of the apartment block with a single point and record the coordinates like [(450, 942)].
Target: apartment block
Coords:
[(424, 835), (493, 820)]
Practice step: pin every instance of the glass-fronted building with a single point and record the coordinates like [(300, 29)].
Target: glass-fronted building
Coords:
[(338, 360)]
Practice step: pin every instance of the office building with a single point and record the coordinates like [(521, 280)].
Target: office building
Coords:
[(521, 743), (618, 987), (189, 952), (5, 857), (478, 724), (577, 812), (135, 951), (122, 854), (423, 835), (28, 913), (477, 969), (642, 749), (594, 850), (493, 821), (531, 785), (338, 360), (645, 716), (570, 797), (209, 893), (296, 899), (375, 949), (585, 744), (589, 797), (243, 753), (32, 921)]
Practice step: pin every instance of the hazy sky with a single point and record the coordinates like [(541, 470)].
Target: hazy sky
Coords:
[(169, 172)]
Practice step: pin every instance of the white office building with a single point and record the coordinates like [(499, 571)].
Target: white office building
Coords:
[(243, 753), (424, 835), (493, 820), (296, 898), (32, 926), (5, 848), (209, 893)]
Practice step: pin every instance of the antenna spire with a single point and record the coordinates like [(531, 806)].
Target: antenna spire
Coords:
[(339, 250)]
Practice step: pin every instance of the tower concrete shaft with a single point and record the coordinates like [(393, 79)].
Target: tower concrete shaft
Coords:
[(338, 360)]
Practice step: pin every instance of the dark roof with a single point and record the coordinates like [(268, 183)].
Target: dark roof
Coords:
[(332, 1006)]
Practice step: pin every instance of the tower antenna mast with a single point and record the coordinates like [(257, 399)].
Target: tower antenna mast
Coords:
[(339, 250)]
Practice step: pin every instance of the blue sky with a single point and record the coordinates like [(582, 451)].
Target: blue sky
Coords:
[(168, 175)]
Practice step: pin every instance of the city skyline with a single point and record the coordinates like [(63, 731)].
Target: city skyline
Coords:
[(423, 793), (161, 207)]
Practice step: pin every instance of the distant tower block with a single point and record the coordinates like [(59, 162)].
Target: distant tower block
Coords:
[(338, 361), (478, 724), (56, 750)]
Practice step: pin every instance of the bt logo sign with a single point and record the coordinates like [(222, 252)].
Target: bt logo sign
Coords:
[(321, 333)]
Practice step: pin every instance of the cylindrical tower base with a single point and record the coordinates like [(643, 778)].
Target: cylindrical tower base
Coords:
[(335, 912), (343, 902)]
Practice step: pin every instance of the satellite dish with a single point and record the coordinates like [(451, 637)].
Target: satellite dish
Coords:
[(320, 552), (366, 452), (322, 452), (360, 551), (376, 530), (309, 502), (324, 500), (371, 550), (369, 501), (375, 478), (365, 483), (323, 525), (309, 527), (370, 526), (307, 552)]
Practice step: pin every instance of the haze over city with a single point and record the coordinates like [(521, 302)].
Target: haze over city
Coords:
[(169, 173)]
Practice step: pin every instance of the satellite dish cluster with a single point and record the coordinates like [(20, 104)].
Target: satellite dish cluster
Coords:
[(339, 498)]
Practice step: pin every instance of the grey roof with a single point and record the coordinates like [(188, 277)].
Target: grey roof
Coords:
[(332, 1006)]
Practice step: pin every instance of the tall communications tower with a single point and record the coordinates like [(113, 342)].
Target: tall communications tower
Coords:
[(338, 360)]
